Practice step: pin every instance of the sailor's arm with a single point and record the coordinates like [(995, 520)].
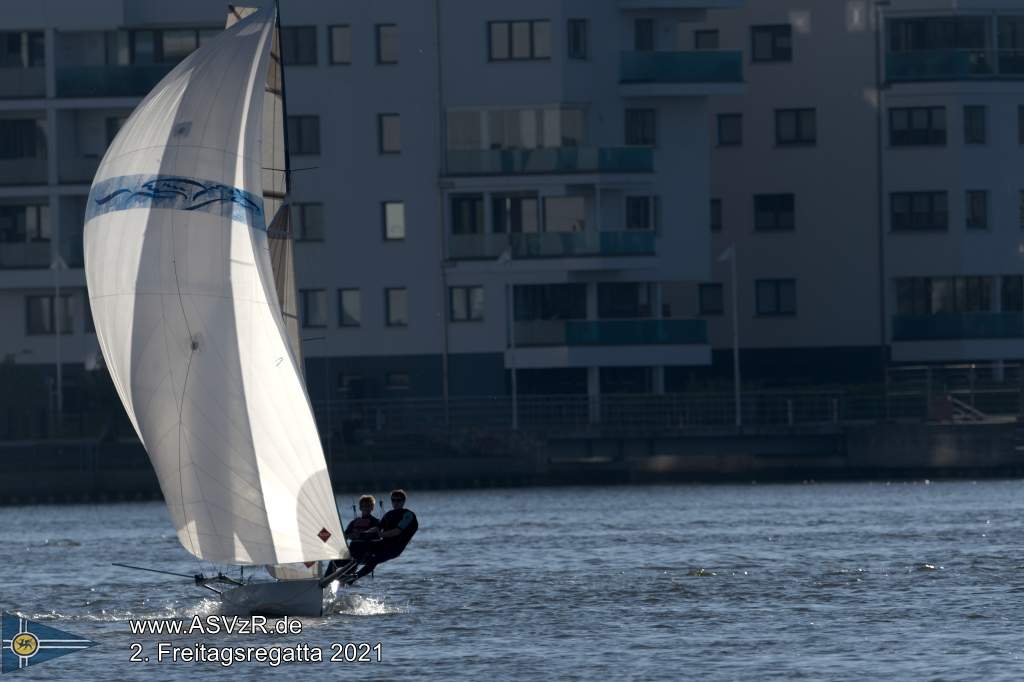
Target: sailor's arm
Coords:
[(400, 528)]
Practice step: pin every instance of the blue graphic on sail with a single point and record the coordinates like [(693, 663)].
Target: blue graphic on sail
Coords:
[(176, 193), (26, 643)]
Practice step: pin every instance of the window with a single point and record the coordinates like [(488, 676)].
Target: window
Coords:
[(643, 35), (112, 125), (350, 308), (577, 38), (774, 212), (387, 43), (39, 317), (178, 44), (550, 302), (1013, 293), (22, 138), (705, 39), (641, 127), (468, 214), (396, 307), (974, 124), (716, 215), (519, 40), (918, 211), (771, 43), (623, 300), (21, 49), (309, 222), (394, 220), (940, 33), (565, 214), (396, 381), (516, 213), (612, 380), (795, 127), (977, 209), (298, 45), (466, 304), (341, 44), (389, 133), (711, 300), (304, 134), (776, 296), (314, 308), (730, 130), (641, 213), (1020, 124), (25, 236), (917, 126), (943, 295)]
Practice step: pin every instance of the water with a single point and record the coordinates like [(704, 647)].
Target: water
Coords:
[(818, 581)]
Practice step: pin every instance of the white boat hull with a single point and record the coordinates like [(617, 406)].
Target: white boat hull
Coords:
[(279, 598)]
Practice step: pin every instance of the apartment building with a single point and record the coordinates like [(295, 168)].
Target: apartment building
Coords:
[(869, 178), (486, 195)]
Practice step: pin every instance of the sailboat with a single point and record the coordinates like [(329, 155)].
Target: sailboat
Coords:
[(190, 279)]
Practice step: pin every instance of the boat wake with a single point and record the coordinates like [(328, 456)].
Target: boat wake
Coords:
[(347, 604), (203, 607)]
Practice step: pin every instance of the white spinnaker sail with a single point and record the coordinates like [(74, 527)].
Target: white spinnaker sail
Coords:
[(181, 286)]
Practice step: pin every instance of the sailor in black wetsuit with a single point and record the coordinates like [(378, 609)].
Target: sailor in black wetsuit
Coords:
[(362, 534), (398, 526)]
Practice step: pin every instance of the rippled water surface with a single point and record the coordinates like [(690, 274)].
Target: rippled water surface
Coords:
[(817, 581)]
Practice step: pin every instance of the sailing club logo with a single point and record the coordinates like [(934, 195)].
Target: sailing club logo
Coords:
[(26, 643)]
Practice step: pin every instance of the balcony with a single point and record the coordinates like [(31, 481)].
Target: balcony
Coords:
[(18, 82), (554, 160), (640, 332), (21, 255), (109, 81), (674, 74), (23, 171), (958, 326), (552, 245), (954, 65)]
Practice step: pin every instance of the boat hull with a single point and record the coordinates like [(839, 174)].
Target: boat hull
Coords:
[(280, 598)]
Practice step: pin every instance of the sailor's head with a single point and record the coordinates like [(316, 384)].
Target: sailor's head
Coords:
[(366, 504), (398, 498)]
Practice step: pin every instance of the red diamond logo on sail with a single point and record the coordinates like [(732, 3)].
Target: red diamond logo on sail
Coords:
[(324, 534)]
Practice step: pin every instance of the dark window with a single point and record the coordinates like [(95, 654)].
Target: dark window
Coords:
[(341, 44), (625, 380), (396, 381), (298, 45), (641, 212), (304, 134), (941, 295), (776, 296), (516, 213), (22, 138), (350, 308), (387, 44), (977, 209), (578, 38), (39, 317), (774, 212), (913, 296), (623, 300), (1013, 293), (25, 236), (796, 127), (705, 39), (466, 304), (771, 43), (519, 40), (396, 307), (730, 130), (550, 302), (468, 214), (389, 133), (917, 126), (939, 33), (716, 215), (711, 299), (974, 124), (643, 35), (393, 213), (641, 127), (309, 222), (919, 211), (21, 49), (314, 308), (112, 126), (1020, 124)]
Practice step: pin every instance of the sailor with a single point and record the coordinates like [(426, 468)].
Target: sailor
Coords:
[(398, 526), (361, 533)]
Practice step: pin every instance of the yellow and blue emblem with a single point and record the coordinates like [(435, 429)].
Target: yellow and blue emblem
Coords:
[(26, 642)]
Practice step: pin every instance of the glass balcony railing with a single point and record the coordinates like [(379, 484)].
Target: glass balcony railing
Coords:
[(552, 245), (22, 82), (25, 254), (944, 65), (26, 171), (640, 332), (551, 160), (951, 326), (698, 66), (109, 80)]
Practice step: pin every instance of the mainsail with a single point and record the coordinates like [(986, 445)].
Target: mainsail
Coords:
[(184, 299)]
